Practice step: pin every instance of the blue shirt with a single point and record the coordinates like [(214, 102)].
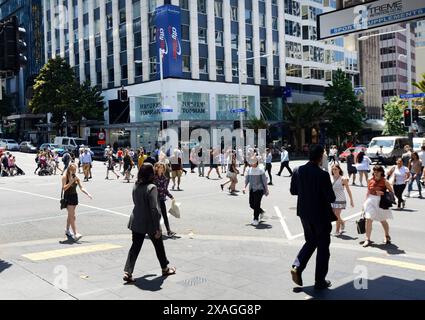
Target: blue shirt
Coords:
[(86, 158), (269, 158)]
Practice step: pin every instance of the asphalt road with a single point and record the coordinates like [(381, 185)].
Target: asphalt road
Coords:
[(218, 254)]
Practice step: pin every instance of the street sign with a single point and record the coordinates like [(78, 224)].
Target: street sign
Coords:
[(359, 90), (165, 110), (366, 16), (237, 110), (412, 95)]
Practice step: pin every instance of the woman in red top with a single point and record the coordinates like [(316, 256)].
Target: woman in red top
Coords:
[(376, 187)]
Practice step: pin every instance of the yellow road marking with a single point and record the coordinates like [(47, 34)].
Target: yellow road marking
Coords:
[(395, 263), (46, 255)]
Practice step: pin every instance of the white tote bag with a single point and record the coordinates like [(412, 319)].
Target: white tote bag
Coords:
[(175, 209)]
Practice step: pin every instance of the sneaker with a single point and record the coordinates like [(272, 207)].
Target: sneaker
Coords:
[(68, 233), (270, 184), (77, 237), (255, 223)]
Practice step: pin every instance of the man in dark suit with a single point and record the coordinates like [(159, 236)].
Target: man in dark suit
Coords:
[(313, 187)]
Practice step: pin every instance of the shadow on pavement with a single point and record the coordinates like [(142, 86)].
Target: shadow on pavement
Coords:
[(262, 226), (391, 249), (384, 287), (4, 265), (149, 285), (345, 237)]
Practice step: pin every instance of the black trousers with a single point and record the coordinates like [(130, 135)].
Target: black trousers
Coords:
[(255, 202), (138, 239), (164, 214), (192, 165), (398, 192), (317, 236), (284, 164), (269, 171)]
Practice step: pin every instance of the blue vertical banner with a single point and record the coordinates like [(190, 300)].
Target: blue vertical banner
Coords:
[(168, 38)]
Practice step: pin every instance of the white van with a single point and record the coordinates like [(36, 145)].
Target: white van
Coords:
[(69, 143), (418, 143), (389, 148)]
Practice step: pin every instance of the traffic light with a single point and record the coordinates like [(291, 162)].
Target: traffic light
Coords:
[(12, 45), (407, 118), (415, 114)]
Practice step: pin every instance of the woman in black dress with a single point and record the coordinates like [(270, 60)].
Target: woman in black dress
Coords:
[(70, 182), (128, 165)]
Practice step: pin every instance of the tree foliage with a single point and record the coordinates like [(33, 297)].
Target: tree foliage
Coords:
[(393, 116), (346, 111), (57, 91)]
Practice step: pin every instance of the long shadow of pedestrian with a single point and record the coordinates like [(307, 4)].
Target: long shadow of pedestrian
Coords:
[(382, 288), (150, 285), (4, 265), (345, 237), (391, 249)]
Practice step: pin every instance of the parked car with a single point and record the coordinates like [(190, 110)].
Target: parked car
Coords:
[(357, 149), (386, 149), (10, 145), (28, 147), (53, 147)]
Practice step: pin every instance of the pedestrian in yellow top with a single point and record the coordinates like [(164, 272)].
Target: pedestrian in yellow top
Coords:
[(141, 159)]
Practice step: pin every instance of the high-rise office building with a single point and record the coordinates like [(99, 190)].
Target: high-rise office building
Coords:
[(420, 49), (273, 43)]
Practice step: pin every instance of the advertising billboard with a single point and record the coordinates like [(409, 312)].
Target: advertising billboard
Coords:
[(368, 15), (168, 39)]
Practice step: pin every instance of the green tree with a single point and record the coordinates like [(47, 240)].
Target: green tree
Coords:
[(301, 116), (346, 112), (6, 105), (90, 103), (55, 90), (393, 116), (421, 84)]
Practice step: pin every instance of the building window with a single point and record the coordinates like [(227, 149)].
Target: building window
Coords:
[(122, 16), (110, 48), (262, 20), (202, 6), (98, 52), (111, 75), (186, 63), (185, 32), (249, 44), (202, 35), (234, 14), (293, 70), (124, 72), (248, 16), (263, 46), (263, 72), (203, 65), (234, 41), (235, 69), (276, 73), (137, 39), (218, 8), (220, 67), (274, 23), (219, 38), (250, 70), (152, 34), (99, 78), (184, 4), (153, 65), (276, 48), (138, 67), (123, 44)]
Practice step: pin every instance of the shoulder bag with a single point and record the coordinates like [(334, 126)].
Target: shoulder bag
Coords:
[(387, 200), (361, 224), (63, 201)]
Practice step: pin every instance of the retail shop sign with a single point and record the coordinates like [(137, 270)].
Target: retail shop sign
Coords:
[(367, 16)]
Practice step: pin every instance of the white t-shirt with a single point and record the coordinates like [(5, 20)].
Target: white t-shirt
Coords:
[(400, 175), (422, 157)]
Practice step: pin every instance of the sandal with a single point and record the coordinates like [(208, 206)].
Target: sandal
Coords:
[(367, 243), (128, 278), (169, 272)]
